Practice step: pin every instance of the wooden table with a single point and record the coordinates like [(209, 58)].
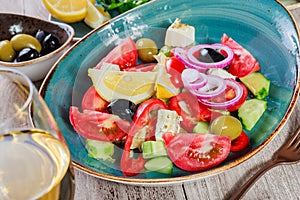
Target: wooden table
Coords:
[(282, 182)]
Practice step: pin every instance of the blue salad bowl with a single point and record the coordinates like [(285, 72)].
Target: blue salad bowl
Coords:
[(266, 29)]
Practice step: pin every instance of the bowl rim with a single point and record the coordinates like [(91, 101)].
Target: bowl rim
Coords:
[(185, 178), (66, 27)]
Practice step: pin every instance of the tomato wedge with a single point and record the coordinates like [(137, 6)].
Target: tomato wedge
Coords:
[(240, 142), (197, 152), (98, 125), (93, 101), (174, 68), (243, 62), (125, 55)]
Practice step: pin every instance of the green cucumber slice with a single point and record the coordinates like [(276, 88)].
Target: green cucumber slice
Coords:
[(160, 164), (250, 112), (201, 128), (153, 149), (100, 150), (257, 83)]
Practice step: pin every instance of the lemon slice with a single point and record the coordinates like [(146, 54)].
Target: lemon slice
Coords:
[(67, 10), (95, 15), (133, 86)]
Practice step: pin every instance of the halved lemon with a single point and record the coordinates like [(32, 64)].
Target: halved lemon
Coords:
[(67, 10), (95, 15), (133, 86)]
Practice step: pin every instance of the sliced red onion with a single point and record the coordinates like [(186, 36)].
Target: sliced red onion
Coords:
[(192, 79), (218, 47), (181, 55), (226, 104), (215, 86)]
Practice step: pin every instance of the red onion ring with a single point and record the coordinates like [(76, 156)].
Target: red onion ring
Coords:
[(181, 55), (215, 87), (224, 105), (192, 79), (219, 47)]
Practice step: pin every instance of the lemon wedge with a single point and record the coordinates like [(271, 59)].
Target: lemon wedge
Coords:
[(113, 84), (95, 15), (67, 10), (164, 87)]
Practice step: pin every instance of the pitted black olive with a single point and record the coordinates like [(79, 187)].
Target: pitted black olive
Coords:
[(27, 54), (49, 44), (40, 35), (209, 55), (123, 108)]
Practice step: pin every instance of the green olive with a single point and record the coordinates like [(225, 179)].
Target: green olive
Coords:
[(7, 53), (226, 125), (147, 48), (21, 41)]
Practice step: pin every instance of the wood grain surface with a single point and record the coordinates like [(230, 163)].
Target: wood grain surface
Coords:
[(282, 182)]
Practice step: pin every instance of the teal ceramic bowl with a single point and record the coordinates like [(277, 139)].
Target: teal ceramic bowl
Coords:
[(267, 30)]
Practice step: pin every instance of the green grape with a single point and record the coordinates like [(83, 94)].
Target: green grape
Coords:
[(226, 125)]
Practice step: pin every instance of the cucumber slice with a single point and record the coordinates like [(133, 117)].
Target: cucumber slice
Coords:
[(153, 149), (257, 83), (201, 127), (250, 112), (160, 164), (100, 150)]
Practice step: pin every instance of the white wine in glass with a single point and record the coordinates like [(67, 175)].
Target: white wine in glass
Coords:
[(34, 158)]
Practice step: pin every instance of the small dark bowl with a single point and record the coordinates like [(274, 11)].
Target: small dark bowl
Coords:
[(36, 69)]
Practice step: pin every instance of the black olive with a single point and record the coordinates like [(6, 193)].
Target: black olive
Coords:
[(49, 44), (40, 35), (27, 54), (210, 55), (123, 108)]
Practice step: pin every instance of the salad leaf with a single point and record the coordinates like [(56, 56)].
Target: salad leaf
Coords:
[(120, 5)]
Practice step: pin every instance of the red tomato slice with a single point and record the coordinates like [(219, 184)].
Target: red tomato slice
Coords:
[(125, 55), (92, 101), (240, 142), (197, 152), (243, 62), (174, 68), (98, 125)]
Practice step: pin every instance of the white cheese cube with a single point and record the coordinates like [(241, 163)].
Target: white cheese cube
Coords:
[(167, 121), (180, 35)]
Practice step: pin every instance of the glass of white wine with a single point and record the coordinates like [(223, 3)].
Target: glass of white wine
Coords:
[(35, 161)]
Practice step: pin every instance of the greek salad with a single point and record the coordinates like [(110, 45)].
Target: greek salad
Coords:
[(184, 104)]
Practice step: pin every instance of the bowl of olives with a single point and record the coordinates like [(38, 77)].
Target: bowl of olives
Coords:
[(32, 45)]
